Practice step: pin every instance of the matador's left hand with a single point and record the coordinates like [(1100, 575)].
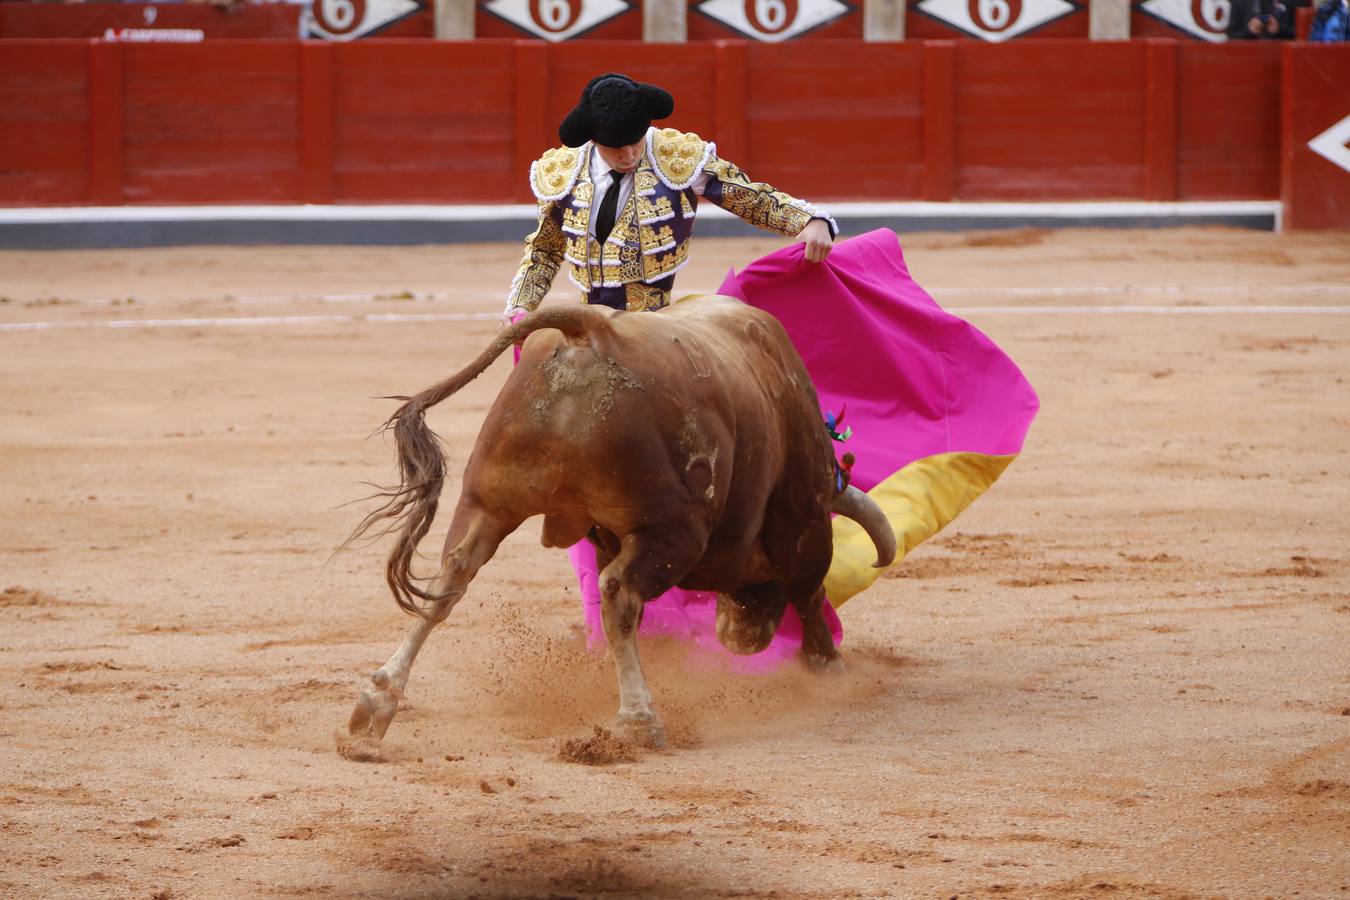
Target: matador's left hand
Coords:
[(816, 236)]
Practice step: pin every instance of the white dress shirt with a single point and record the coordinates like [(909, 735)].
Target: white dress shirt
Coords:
[(601, 179)]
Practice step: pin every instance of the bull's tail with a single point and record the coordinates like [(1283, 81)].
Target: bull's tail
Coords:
[(411, 506)]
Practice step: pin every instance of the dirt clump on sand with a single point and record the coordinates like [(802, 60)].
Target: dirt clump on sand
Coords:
[(602, 748), (22, 596)]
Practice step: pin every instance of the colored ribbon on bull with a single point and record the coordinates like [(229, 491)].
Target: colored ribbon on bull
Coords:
[(938, 411)]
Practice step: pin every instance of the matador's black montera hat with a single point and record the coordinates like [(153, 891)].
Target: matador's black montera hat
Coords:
[(615, 111)]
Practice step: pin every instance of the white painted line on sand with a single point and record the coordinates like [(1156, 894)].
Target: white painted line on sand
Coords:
[(528, 212), (1112, 290), (1167, 290), (264, 321), (249, 321), (1152, 310)]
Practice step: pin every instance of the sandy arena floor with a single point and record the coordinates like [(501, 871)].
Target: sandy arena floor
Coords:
[(1125, 672)]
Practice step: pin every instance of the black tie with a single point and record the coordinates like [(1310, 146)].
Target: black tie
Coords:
[(604, 221)]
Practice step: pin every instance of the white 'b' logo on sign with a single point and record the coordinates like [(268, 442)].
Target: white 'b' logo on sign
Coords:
[(1205, 19), (773, 20), (996, 20), (1212, 15), (339, 16), (345, 20), (995, 15), (555, 15), (556, 20), (770, 16)]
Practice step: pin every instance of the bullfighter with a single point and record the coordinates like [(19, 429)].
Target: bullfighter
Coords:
[(617, 201)]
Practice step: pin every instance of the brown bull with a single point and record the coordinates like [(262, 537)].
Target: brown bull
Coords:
[(687, 444)]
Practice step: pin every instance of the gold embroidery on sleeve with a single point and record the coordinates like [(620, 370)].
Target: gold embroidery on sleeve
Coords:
[(760, 204), (544, 251)]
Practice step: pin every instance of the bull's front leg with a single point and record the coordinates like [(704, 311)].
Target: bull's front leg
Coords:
[(818, 651), (621, 613)]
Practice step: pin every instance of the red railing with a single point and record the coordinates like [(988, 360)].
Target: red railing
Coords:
[(242, 121)]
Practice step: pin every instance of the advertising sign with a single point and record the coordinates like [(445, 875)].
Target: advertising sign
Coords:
[(996, 21), (347, 20), (560, 20), (773, 21), (1205, 20)]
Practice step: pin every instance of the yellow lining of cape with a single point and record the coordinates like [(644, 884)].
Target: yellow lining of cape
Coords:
[(918, 501)]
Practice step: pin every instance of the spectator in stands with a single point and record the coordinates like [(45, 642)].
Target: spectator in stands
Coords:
[(1262, 20), (1331, 22)]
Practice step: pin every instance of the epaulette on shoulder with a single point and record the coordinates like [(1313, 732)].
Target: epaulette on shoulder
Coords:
[(678, 156), (553, 174)]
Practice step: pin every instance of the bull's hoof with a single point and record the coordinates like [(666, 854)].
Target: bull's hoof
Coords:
[(644, 730), (831, 665), (374, 709), (358, 749)]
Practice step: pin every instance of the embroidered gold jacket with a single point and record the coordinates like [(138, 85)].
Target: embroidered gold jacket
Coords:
[(650, 240)]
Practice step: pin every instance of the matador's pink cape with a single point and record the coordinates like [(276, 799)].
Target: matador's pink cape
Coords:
[(938, 411)]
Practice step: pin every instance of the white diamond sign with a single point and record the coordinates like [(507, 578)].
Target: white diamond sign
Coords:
[(556, 20), (1205, 19), (772, 21), (996, 20), (346, 20), (1331, 144)]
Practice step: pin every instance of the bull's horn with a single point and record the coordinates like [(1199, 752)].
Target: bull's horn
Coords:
[(862, 509)]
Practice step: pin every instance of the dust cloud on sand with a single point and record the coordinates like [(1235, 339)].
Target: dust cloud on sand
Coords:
[(1122, 673)]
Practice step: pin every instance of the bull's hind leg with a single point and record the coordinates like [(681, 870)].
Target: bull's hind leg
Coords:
[(646, 566), (473, 539)]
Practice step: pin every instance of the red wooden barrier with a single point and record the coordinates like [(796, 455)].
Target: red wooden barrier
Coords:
[(1227, 134), (316, 122), (419, 121), (45, 101), (107, 132), (1037, 118), (1315, 185), (937, 174), (835, 118), (217, 122)]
